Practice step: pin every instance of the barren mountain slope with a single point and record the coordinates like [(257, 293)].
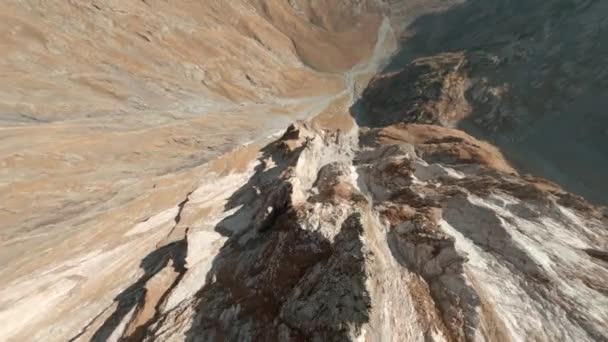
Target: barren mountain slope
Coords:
[(150, 191), (530, 76), (410, 232), (92, 92), (109, 111)]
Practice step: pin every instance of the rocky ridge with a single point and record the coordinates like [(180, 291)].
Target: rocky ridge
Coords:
[(409, 232)]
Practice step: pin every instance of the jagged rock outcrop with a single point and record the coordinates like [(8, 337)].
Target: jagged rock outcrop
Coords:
[(409, 232)]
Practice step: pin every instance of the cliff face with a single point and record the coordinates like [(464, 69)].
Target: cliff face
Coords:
[(529, 76), (367, 220)]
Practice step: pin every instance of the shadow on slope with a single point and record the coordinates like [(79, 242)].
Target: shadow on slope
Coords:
[(530, 76), (273, 280), (132, 299)]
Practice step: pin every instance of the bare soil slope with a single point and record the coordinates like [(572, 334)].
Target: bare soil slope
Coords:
[(110, 111)]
